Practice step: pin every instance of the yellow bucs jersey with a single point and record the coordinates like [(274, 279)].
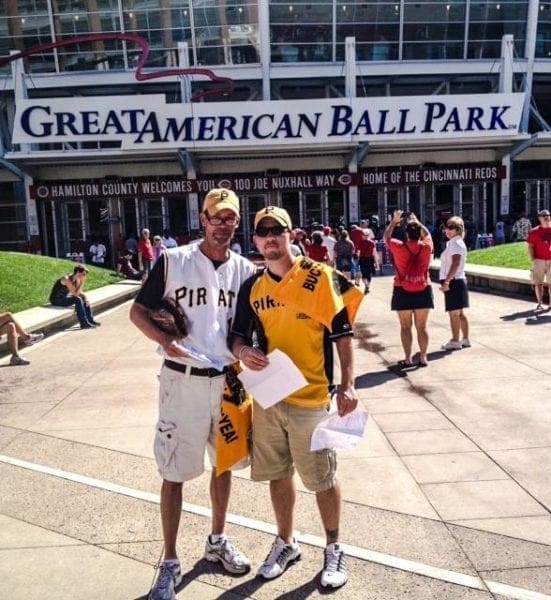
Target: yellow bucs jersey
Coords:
[(290, 329)]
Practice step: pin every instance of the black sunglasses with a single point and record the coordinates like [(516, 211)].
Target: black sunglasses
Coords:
[(266, 231)]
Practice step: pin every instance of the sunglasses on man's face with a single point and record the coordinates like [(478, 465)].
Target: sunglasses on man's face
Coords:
[(266, 231)]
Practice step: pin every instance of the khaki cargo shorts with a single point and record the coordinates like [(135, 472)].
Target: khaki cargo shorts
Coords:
[(189, 410), (281, 442), (541, 269)]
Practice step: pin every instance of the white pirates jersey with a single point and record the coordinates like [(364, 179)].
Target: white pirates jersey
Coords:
[(208, 296)]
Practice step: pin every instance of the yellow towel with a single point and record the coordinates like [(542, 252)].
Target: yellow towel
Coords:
[(234, 426), (315, 289)]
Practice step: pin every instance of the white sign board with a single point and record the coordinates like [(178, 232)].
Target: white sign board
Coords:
[(148, 121)]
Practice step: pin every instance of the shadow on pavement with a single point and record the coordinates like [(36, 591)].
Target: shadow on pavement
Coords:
[(304, 591), (375, 378), (538, 319), (526, 314)]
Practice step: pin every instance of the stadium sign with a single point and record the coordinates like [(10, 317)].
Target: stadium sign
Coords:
[(255, 183), (148, 121)]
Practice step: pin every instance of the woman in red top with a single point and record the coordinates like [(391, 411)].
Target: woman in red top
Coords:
[(412, 294), (145, 253), (316, 250)]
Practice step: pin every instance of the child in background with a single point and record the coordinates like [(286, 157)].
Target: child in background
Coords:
[(355, 271)]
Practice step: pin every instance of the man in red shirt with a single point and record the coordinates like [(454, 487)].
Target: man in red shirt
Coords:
[(539, 247)]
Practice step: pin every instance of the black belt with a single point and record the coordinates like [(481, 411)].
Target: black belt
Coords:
[(210, 372)]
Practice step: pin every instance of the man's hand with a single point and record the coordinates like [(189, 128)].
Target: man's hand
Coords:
[(347, 400), (174, 349), (397, 216), (253, 358)]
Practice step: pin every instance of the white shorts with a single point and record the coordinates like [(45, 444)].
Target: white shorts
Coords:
[(189, 410)]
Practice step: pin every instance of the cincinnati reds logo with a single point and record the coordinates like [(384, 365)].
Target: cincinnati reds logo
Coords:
[(225, 183), (42, 191), (227, 84), (345, 179)]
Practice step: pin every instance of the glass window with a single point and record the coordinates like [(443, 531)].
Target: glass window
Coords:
[(226, 32), (433, 30), (490, 21), (543, 36), (301, 31)]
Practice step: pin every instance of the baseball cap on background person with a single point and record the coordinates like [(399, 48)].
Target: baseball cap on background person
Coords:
[(278, 214), (220, 198), (544, 213)]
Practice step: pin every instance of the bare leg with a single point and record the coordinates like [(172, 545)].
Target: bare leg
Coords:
[(220, 488), (406, 337), (420, 318), (7, 318), (538, 289), (13, 339), (329, 505), (171, 509), (464, 324), (283, 494), (455, 323)]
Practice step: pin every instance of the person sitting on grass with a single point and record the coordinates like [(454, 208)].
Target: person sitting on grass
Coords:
[(14, 331), (126, 268), (67, 291)]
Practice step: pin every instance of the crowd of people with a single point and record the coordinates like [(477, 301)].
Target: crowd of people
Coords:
[(212, 312)]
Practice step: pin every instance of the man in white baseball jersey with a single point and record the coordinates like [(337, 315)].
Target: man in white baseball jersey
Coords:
[(204, 279)]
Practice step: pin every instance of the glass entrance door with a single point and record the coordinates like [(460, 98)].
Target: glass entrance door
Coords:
[(251, 205), (313, 208)]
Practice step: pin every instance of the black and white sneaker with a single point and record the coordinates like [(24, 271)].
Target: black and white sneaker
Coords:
[(334, 573), (279, 558)]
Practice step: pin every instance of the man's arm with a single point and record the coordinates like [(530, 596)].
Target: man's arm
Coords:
[(149, 297), (347, 398), (240, 342)]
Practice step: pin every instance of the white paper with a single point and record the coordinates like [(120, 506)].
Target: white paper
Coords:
[(276, 381), (196, 356), (339, 432)]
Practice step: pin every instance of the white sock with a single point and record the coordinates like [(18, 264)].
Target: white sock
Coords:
[(171, 561), (217, 537)]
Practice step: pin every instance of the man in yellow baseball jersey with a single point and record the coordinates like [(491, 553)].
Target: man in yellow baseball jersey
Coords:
[(301, 308)]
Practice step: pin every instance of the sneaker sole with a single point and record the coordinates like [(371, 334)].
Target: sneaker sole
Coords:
[(211, 557), (334, 587), (289, 563)]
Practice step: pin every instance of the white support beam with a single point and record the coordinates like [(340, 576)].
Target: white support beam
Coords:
[(506, 72), (183, 63), (350, 67)]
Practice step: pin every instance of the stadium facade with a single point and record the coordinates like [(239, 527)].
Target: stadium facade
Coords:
[(119, 114)]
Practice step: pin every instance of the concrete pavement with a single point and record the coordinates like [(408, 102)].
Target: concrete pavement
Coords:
[(447, 497)]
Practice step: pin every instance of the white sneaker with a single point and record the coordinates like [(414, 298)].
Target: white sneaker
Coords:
[(230, 557), (452, 345), (539, 308), (33, 338), (279, 558), (334, 573), (466, 343), (168, 579)]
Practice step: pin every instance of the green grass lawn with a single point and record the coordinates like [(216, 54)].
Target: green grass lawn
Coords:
[(514, 256), (27, 279)]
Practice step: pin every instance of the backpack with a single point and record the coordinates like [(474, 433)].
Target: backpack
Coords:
[(415, 277)]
